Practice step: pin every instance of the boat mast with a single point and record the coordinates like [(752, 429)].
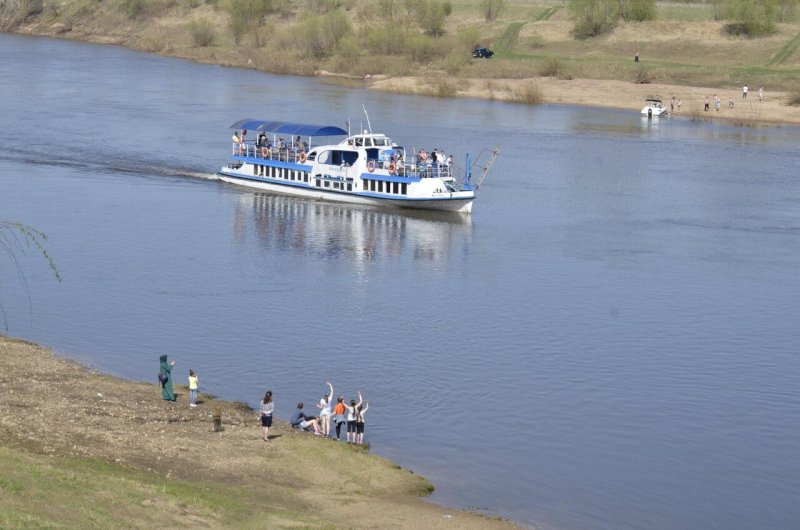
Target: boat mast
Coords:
[(369, 125)]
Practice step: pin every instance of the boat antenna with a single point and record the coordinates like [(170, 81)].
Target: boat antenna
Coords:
[(369, 125)]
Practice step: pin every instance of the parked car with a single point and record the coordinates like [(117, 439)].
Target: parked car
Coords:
[(482, 53)]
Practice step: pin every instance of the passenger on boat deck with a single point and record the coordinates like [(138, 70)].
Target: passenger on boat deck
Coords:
[(262, 140), (236, 138), (281, 145)]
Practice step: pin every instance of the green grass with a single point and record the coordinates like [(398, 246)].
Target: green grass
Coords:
[(785, 52), (38, 491), (509, 37)]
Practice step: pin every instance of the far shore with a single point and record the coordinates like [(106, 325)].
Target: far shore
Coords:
[(61, 418), (599, 93)]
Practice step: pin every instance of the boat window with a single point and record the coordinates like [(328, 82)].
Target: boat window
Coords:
[(381, 141), (312, 155), (338, 158), (359, 142)]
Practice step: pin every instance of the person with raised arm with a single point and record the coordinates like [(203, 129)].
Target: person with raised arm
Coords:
[(352, 415), (325, 410), (360, 423)]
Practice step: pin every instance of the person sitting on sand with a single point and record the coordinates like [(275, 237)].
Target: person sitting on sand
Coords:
[(299, 419)]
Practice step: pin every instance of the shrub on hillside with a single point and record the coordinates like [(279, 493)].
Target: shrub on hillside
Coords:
[(318, 35), (553, 67), (386, 39), (593, 17), (750, 19), (202, 31), (794, 99), (245, 16), (15, 12), (786, 10), (429, 14), (637, 10), (492, 9)]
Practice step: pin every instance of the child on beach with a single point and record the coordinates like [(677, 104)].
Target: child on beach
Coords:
[(325, 410), (192, 388)]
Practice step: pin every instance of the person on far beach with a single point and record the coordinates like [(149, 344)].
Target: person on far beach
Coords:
[(744, 91), (167, 392), (338, 416), (705, 105), (680, 102), (760, 94), (267, 407), (716, 102), (192, 388), (352, 418), (325, 410), (360, 422), (730, 103)]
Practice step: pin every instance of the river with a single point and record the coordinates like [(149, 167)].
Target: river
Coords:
[(610, 341)]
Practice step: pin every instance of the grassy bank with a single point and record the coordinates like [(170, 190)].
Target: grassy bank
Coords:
[(683, 45), (80, 449)]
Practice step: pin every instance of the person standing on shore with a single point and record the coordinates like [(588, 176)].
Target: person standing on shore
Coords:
[(744, 91), (167, 392), (192, 388), (716, 102), (338, 416), (352, 415), (360, 423), (761, 94), (680, 102), (705, 105), (267, 408), (325, 410)]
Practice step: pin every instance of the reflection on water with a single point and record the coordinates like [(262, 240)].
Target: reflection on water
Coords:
[(355, 233)]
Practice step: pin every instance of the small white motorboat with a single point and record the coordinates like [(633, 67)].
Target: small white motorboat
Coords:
[(653, 108)]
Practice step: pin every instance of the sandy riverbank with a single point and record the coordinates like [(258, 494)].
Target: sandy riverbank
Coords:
[(55, 407), (620, 95)]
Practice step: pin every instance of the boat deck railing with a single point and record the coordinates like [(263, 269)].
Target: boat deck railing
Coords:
[(414, 168)]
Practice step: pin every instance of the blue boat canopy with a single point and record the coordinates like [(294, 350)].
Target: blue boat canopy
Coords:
[(282, 127)]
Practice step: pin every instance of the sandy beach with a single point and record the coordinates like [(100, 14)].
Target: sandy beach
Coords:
[(773, 109), (59, 408)]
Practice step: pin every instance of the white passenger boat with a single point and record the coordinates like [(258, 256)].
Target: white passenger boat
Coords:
[(366, 168)]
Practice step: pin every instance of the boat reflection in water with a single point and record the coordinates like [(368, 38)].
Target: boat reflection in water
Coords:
[(358, 233)]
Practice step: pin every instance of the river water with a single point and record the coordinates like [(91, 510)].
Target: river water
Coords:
[(610, 341)]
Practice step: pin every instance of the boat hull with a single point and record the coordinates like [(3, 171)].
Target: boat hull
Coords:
[(451, 203)]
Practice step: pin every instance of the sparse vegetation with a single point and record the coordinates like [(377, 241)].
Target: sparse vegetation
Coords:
[(750, 19), (794, 99), (422, 38), (529, 93), (492, 9), (202, 31)]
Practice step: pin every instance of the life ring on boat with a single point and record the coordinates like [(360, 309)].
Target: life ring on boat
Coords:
[(301, 157), (371, 166), (264, 152), (392, 168)]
